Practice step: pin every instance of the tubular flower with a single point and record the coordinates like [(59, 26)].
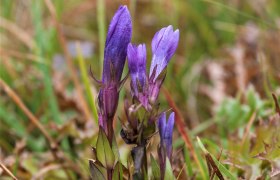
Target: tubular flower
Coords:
[(118, 37), (164, 44), (165, 132), (136, 56)]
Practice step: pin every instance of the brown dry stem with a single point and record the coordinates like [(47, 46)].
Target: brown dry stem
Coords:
[(69, 60), (17, 31), (181, 125), (8, 171), (276, 103), (58, 155)]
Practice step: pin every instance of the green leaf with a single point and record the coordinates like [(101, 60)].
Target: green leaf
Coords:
[(155, 168), (201, 164), (255, 102), (104, 151), (168, 170), (188, 162), (221, 167), (115, 148), (11, 120), (95, 171), (202, 147), (121, 170), (118, 174)]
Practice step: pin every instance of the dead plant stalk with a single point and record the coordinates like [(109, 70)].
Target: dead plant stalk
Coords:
[(69, 61), (51, 142)]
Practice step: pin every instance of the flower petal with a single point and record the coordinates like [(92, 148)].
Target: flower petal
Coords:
[(162, 125), (164, 45), (118, 37), (170, 125), (137, 66), (168, 135)]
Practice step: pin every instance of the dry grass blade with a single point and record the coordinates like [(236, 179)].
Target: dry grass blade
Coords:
[(45, 170), (276, 103), (19, 55), (52, 144), (40, 174), (215, 169), (179, 120), (69, 61), (248, 127), (15, 30), (26, 111), (180, 172), (81, 8), (181, 125), (8, 171)]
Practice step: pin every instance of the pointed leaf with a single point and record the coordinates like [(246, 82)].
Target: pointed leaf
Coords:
[(155, 168), (115, 148), (95, 171), (121, 170), (168, 171), (202, 147), (220, 166), (104, 151), (116, 173)]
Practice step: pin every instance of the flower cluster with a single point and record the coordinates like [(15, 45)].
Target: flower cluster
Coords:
[(142, 113), (146, 88)]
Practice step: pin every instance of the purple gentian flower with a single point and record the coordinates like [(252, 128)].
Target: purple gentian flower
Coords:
[(165, 132), (118, 37), (164, 45), (136, 56)]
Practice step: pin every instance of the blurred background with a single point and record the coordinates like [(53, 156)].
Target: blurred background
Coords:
[(221, 79)]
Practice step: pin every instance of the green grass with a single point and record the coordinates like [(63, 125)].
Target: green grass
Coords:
[(208, 31)]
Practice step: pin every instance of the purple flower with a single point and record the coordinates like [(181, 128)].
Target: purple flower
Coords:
[(164, 45), (136, 56), (118, 37), (165, 132)]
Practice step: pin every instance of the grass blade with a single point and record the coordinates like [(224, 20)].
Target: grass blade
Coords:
[(86, 82), (101, 30), (40, 50), (220, 166)]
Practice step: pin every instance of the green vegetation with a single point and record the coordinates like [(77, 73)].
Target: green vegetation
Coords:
[(221, 80)]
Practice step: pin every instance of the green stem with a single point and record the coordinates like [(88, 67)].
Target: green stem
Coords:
[(86, 82), (101, 30)]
